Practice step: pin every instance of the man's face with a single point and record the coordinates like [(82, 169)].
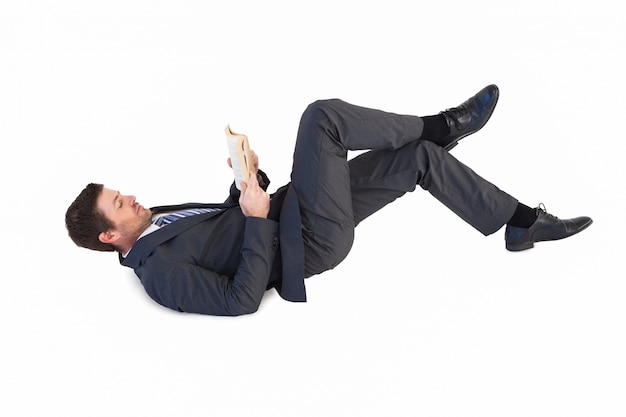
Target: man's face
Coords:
[(129, 218)]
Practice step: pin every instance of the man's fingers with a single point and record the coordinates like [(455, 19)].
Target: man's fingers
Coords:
[(253, 200)]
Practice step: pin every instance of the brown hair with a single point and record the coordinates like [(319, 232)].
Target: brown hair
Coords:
[(84, 222)]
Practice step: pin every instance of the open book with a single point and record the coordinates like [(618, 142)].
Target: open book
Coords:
[(239, 150)]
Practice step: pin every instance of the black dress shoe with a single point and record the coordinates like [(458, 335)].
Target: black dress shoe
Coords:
[(546, 227), (470, 116)]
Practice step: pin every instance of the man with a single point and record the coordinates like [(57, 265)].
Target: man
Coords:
[(220, 258)]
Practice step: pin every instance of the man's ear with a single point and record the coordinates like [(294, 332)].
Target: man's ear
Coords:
[(109, 236)]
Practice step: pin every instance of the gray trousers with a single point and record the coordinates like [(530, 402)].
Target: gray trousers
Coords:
[(335, 194)]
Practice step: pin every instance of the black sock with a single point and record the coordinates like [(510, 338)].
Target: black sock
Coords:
[(524, 216), (435, 128)]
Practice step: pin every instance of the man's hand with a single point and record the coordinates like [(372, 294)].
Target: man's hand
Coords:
[(254, 202)]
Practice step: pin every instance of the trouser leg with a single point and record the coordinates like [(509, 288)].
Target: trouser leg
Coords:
[(379, 177), (335, 194), (321, 176)]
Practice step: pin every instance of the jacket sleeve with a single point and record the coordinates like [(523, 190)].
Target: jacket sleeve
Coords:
[(191, 288)]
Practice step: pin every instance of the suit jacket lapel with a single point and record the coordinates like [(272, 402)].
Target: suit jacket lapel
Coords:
[(144, 246)]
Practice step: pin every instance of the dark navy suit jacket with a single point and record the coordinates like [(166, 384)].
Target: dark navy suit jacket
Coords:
[(221, 263)]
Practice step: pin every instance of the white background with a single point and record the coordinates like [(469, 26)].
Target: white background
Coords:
[(426, 317)]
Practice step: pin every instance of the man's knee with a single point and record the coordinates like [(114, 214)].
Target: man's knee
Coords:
[(431, 158), (426, 147), (320, 110)]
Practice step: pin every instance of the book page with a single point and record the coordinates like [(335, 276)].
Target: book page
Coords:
[(239, 150)]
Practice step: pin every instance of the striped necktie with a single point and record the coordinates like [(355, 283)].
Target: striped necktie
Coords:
[(172, 217)]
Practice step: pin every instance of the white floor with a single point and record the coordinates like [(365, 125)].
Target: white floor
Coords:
[(426, 317)]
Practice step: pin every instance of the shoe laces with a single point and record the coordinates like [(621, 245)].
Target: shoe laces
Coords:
[(541, 208), (455, 113)]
